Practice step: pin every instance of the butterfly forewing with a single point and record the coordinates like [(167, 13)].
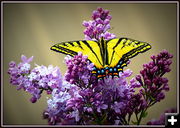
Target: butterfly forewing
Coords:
[(121, 50), (89, 48)]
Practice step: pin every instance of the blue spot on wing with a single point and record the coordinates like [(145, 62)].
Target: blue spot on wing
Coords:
[(120, 62), (110, 69), (118, 66), (102, 71)]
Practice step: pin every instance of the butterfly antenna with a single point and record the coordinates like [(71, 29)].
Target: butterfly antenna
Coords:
[(111, 28), (51, 42)]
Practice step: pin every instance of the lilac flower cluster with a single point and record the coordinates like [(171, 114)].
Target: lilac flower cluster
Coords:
[(117, 93), (152, 80), (108, 101), (78, 98), (56, 111), (161, 120), (152, 84), (87, 102), (36, 80), (79, 69), (97, 28)]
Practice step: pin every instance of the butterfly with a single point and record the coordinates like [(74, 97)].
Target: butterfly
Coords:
[(109, 56)]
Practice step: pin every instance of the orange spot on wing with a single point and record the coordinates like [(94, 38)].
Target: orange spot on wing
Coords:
[(99, 76), (115, 74)]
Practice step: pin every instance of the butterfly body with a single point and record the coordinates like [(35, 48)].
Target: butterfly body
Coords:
[(109, 56)]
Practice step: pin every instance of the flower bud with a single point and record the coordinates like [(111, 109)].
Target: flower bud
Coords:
[(166, 87), (148, 82), (160, 96), (169, 61), (99, 9), (153, 57), (85, 23), (170, 55), (138, 77), (33, 99), (106, 21), (12, 64), (164, 80)]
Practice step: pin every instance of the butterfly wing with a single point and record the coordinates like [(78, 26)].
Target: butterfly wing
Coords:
[(121, 50), (87, 47)]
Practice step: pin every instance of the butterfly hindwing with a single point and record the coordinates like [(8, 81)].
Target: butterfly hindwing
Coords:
[(89, 48)]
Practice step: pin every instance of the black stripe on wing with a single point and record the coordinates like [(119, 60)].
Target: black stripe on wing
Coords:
[(86, 43), (66, 51), (136, 51), (63, 50), (114, 50)]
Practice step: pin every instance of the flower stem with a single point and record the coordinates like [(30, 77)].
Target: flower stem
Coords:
[(139, 120)]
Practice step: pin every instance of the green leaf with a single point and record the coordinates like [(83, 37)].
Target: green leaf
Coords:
[(144, 114), (93, 122), (135, 123), (104, 118), (152, 98)]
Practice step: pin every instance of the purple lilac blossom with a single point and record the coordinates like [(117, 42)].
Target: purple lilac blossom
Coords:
[(116, 93), (97, 28), (99, 97), (151, 77), (152, 84), (34, 80), (87, 102), (56, 111), (79, 70)]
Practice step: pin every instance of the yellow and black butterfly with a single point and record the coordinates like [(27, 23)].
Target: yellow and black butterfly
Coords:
[(109, 56)]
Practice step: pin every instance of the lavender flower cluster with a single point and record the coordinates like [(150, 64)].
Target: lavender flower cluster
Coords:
[(88, 102), (78, 66), (152, 84), (34, 81), (152, 80), (97, 28), (79, 97)]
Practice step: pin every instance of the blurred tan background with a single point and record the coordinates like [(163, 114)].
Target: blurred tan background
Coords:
[(29, 29)]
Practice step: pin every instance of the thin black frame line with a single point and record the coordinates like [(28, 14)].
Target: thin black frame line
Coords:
[(87, 2)]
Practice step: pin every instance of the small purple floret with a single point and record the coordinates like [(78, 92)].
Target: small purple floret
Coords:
[(98, 27)]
